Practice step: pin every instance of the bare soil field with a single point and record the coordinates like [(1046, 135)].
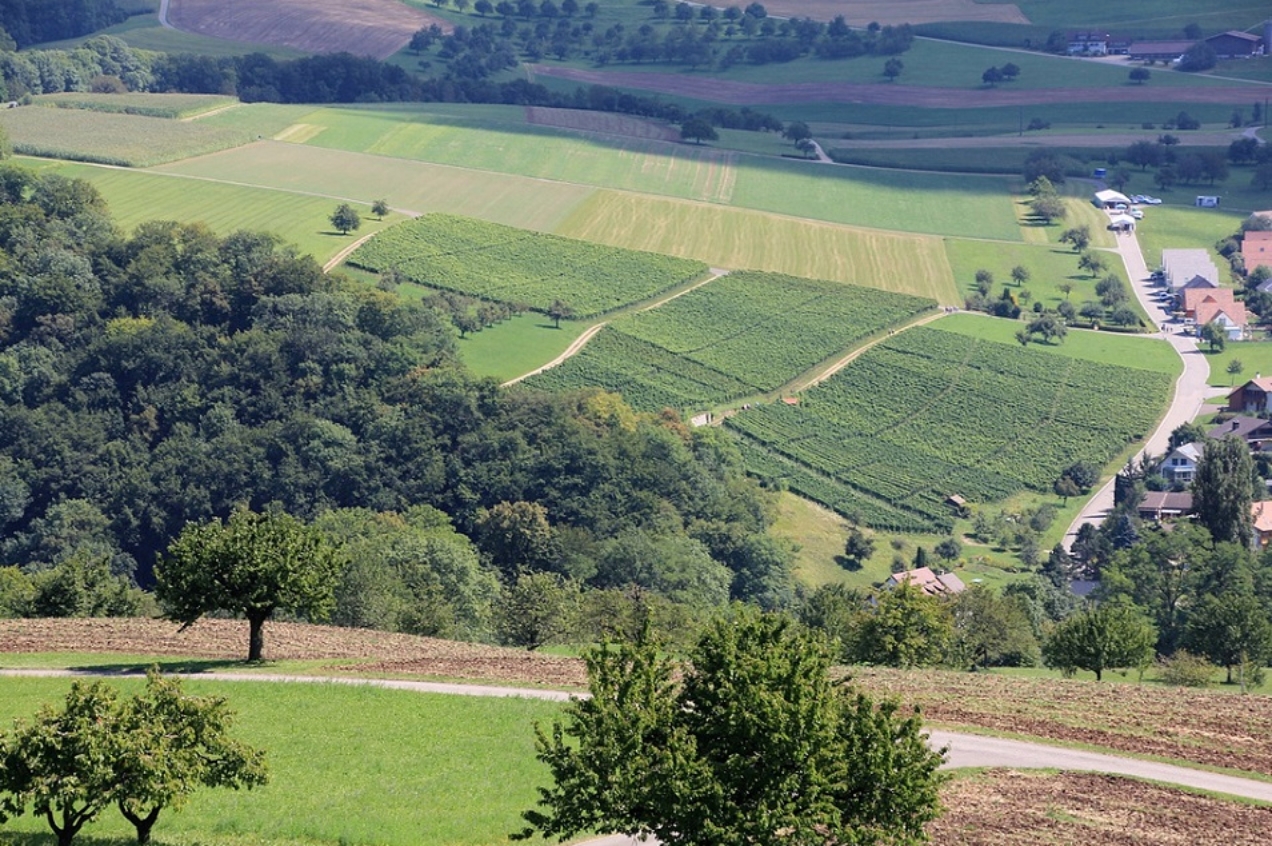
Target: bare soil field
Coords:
[(377, 28), (711, 89), (1213, 728), (863, 12), (601, 123), (1012, 808)]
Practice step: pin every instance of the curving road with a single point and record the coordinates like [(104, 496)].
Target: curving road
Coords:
[(964, 750), (1191, 390)]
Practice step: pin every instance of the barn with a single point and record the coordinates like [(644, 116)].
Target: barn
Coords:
[(1236, 45)]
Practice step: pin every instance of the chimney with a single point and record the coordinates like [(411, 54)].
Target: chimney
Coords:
[(1236, 424)]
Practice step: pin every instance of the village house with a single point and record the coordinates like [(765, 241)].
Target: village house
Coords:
[(1088, 44), (1255, 431), (1254, 397), (1180, 465), (1256, 249), (1160, 506), (1261, 512), (927, 581), (1215, 305)]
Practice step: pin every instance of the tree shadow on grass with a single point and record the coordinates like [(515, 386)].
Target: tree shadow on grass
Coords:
[(46, 838), (187, 666)]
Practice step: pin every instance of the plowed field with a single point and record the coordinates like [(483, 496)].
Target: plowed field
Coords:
[(1008, 808), (376, 28)]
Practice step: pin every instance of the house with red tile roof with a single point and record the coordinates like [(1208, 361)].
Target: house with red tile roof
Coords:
[(1256, 249)]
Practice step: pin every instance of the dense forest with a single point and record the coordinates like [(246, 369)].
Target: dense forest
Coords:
[(32, 21), (168, 377)]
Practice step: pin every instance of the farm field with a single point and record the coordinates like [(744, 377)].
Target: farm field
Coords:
[(116, 139), (299, 219), (409, 187), (150, 105), (931, 413), (504, 264), (517, 345), (743, 334), (740, 238)]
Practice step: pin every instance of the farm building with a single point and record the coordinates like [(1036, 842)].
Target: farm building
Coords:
[(1254, 397), (1110, 199), (930, 583), (1236, 45), (1182, 266), (1166, 51), (1088, 44), (1256, 249)]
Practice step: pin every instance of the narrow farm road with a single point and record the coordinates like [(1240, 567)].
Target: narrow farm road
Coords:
[(1191, 390), (163, 15), (581, 340), (335, 260), (965, 750), (818, 375)]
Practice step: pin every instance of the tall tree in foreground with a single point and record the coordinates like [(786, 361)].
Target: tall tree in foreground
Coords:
[(1222, 491), (253, 564), (1111, 636), (757, 745)]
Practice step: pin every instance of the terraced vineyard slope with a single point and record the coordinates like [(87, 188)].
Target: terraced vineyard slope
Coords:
[(929, 413), (743, 334), (505, 264)]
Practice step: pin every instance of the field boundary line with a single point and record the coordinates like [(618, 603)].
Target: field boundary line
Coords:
[(820, 374), (590, 332), (334, 261)]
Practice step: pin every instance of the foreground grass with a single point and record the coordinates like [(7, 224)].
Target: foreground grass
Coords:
[(351, 765)]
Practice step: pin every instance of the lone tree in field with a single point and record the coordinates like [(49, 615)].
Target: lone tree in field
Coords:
[(796, 131), (892, 68), (345, 219), (1104, 638), (1222, 492), (1140, 75), (379, 208), (254, 564), (558, 311), (1078, 236), (755, 745), (62, 764), (171, 744), (698, 130)]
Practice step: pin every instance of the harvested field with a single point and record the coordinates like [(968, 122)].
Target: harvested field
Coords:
[(715, 90), (377, 28), (600, 123), (1012, 808), (1206, 727), (863, 12), (388, 653)]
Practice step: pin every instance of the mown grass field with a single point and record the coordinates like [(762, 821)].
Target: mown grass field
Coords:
[(1255, 358), (930, 413), (349, 765), (299, 219), (116, 139), (740, 238), (517, 345)]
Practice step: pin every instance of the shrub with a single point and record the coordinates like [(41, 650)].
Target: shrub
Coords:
[(1184, 669)]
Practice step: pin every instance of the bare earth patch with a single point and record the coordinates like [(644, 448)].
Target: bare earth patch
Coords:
[(377, 28), (1010, 808), (711, 89), (863, 12)]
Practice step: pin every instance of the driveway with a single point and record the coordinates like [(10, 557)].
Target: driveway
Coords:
[(1191, 390)]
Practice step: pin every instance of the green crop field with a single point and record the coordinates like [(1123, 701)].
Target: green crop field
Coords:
[(116, 139), (740, 335), (931, 413), (411, 187), (349, 765), (150, 105), (740, 238), (299, 219), (510, 265)]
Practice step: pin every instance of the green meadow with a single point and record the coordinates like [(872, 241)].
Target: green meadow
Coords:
[(348, 764), (299, 219), (517, 346), (1255, 358)]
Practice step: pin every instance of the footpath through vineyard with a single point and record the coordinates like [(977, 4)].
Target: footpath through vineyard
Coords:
[(1191, 389)]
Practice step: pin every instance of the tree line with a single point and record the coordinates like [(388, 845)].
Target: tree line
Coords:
[(27, 22)]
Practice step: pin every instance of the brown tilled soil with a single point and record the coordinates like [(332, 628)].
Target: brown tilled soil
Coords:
[(1009, 808), (376, 28), (863, 12), (703, 87)]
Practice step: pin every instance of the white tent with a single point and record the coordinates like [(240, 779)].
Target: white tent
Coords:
[(1121, 221), (1108, 198)]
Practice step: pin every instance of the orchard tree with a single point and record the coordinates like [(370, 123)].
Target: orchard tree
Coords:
[(1222, 491), (379, 208), (857, 549), (1092, 262), (1078, 236), (796, 131), (1110, 636), (253, 564), (1231, 630), (171, 744), (1140, 75), (1019, 275), (558, 311), (756, 743), (537, 609), (1213, 334), (1234, 370), (698, 130), (892, 68), (345, 219), (62, 765)]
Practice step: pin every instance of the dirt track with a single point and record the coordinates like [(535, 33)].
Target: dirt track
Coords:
[(711, 89)]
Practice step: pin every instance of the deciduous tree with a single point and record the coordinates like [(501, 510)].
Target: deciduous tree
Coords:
[(345, 219), (1221, 490), (1111, 636)]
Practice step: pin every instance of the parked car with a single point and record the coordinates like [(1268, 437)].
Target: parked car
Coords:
[(1151, 201), (1138, 214), (1139, 198)]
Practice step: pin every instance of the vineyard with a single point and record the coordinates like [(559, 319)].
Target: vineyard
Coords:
[(743, 334), (930, 413), (505, 264)]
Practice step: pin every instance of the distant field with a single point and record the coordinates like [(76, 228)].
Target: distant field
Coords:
[(931, 413), (117, 139), (349, 765), (1157, 15), (740, 238), (411, 187), (741, 334), (504, 264), (1178, 226), (298, 219), (150, 105)]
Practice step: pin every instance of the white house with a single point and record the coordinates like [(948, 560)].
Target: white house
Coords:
[(1181, 465)]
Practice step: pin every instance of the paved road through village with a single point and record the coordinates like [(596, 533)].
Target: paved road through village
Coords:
[(1191, 390)]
